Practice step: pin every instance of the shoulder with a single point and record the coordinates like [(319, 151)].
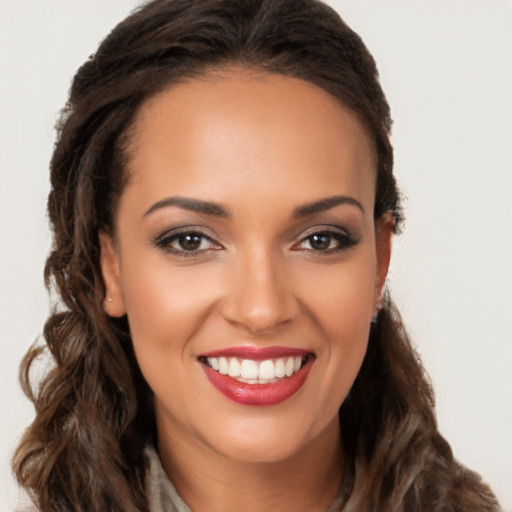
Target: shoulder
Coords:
[(162, 494)]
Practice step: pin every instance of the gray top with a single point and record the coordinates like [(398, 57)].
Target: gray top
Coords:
[(163, 496)]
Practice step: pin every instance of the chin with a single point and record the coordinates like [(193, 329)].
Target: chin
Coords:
[(264, 442), (259, 451)]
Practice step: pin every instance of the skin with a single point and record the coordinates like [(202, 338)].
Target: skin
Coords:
[(261, 146)]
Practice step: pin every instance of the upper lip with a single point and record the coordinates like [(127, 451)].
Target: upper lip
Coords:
[(257, 353)]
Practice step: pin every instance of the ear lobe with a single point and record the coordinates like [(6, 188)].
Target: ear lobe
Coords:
[(113, 304), (383, 234)]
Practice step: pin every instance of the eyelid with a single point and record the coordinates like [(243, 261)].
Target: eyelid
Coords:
[(348, 239), (322, 228), (163, 240)]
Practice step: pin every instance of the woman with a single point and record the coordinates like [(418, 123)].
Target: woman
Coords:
[(222, 205)]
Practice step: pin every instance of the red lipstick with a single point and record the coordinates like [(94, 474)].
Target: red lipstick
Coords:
[(257, 353), (275, 391)]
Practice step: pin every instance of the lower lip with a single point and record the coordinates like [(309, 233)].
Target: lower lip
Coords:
[(258, 394)]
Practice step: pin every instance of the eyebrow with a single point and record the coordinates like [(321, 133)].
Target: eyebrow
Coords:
[(325, 204), (215, 209), (194, 205)]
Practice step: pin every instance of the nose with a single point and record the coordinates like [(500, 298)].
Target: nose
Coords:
[(261, 295)]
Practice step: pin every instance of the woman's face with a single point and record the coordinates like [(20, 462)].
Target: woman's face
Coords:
[(248, 261)]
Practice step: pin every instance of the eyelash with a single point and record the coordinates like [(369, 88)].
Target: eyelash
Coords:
[(164, 242), (343, 241)]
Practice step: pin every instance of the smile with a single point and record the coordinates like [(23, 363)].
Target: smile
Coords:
[(256, 372), (250, 376)]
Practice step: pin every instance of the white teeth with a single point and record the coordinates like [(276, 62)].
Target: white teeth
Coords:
[(256, 372), (280, 368), (288, 366), (249, 369), (223, 365), (267, 369), (234, 367)]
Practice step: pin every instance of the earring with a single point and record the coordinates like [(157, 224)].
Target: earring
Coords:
[(108, 299), (375, 316)]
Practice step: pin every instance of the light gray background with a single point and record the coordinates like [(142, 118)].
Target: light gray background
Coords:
[(447, 69)]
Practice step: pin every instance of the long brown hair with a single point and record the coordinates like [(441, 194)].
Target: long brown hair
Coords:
[(84, 450)]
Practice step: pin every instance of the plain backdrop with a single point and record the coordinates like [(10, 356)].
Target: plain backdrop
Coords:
[(446, 66)]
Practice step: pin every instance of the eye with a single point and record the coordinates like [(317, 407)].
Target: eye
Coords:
[(321, 241), (186, 243), (326, 241)]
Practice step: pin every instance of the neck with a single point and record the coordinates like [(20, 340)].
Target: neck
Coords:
[(210, 482)]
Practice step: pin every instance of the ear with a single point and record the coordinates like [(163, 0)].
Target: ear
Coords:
[(113, 304), (383, 234)]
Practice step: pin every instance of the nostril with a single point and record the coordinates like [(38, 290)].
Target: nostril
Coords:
[(260, 298), (258, 317), (259, 322)]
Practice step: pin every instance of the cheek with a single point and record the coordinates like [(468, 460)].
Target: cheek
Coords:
[(346, 324), (342, 308), (165, 308), (342, 302), (165, 305)]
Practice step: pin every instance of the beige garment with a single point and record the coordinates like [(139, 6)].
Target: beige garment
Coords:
[(163, 496)]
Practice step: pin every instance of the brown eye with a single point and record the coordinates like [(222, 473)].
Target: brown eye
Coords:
[(326, 242), (186, 243), (320, 241), (190, 242)]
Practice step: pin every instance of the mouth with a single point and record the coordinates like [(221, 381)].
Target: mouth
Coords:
[(251, 376), (253, 372)]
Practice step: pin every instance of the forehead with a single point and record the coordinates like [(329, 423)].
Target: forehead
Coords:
[(240, 131)]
